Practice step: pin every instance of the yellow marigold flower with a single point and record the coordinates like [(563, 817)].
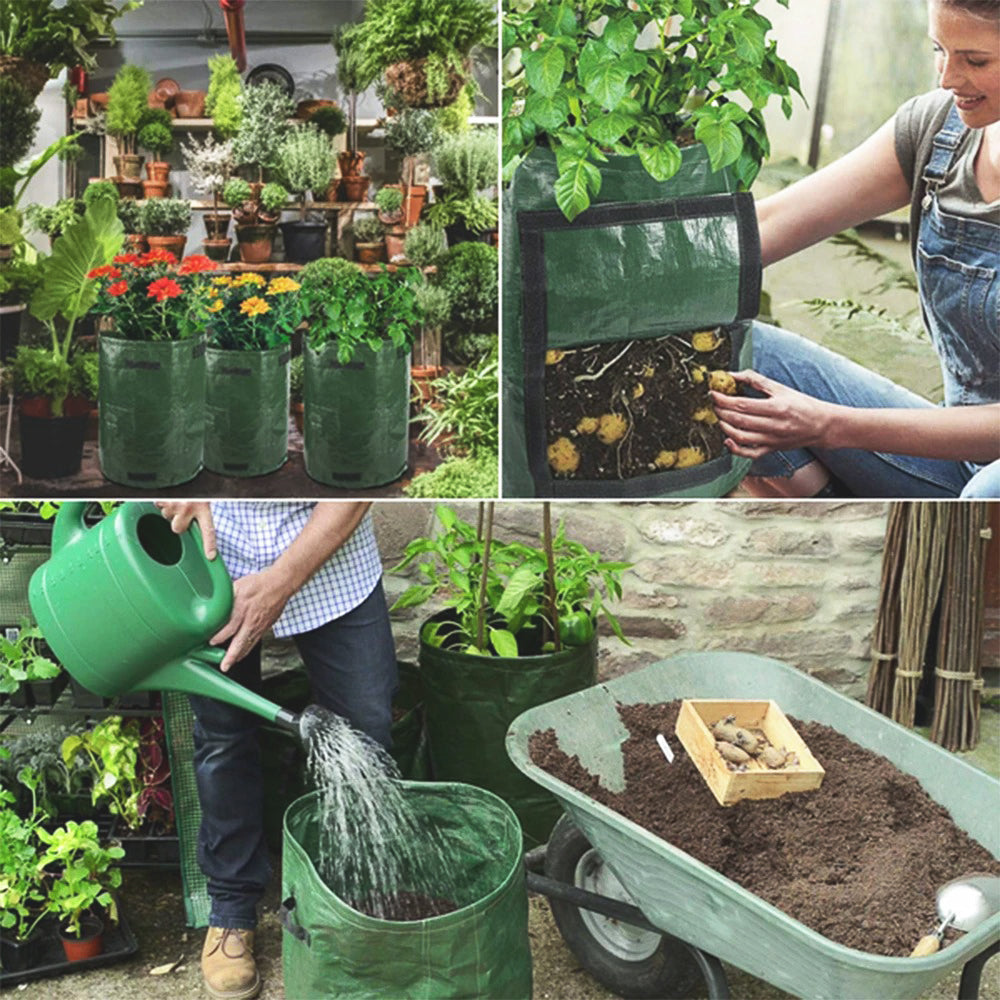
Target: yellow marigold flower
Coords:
[(281, 285), (254, 306), (250, 278), (216, 306), (223, 279)]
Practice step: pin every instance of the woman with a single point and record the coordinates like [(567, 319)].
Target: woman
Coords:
[(817, 424)]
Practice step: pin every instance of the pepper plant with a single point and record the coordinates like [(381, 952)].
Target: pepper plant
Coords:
[(22, 661), (599, 77)]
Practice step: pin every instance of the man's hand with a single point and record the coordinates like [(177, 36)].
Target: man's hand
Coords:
[(784, 419), (180, 515), (258, 600)]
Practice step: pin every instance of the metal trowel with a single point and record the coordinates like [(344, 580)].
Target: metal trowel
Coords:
[(963, 904)]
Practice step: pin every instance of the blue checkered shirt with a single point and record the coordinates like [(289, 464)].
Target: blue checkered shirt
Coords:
[(252, 534)]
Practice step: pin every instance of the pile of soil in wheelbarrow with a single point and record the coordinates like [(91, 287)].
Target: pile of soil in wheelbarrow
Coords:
[(859, 859), (634, 407)]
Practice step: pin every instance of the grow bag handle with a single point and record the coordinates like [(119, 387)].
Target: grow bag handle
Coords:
[(289, 923)]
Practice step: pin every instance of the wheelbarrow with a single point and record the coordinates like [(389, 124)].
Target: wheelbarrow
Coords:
[(645, 917)]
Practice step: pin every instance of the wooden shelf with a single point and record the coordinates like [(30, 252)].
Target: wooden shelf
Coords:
[(318, 206), (287, 267)]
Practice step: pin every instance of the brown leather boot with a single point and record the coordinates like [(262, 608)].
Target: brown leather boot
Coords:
[(227, 964)]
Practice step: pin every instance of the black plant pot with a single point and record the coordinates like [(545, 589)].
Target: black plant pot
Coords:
[(458, 232), (10, 330), (304, 241), (51, 447), (82, 698), (19, 956)]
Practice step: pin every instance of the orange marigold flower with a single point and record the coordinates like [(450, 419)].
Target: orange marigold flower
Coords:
[(157, 256), (281, 285), (108, 271), (196, 263), (254, 306), (164, 288), (215, 306), (118, 288)]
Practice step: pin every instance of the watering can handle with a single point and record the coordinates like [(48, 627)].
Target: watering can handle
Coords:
[(69, 526), (219, 603)]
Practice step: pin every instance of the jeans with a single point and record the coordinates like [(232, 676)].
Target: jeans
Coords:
[(818, 372), (351, 662)]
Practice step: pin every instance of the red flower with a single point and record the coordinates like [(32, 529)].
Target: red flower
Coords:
[(127, 258), (157, 256), (108, 271), (196, 263), (118, 288), (164, 288)]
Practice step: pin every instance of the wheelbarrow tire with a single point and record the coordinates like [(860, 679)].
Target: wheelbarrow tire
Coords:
[(655, 969)]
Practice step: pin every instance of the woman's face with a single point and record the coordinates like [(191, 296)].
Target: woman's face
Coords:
[(967, 61)]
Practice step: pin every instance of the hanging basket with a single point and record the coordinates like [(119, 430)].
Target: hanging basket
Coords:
[(409, 80), (31, 75)]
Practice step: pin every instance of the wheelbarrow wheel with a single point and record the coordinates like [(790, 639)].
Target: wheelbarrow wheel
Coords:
[(628, 960)]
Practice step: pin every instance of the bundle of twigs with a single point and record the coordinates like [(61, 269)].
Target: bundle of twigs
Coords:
[(958, 674), (920, 585), (885, 640)]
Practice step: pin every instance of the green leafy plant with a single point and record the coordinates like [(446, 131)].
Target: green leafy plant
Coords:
[(59, 35), (638, 79), (424, 246), (112, 749), (86, 366), (22, 660), (389, 200), (466, 165), (38, 751), (305, 163), (157, 138), (296, 377), (208, 165), (476, 213), (129, 212), (100, 189), (15, 179), (468, 273), (273, 197), (466, 406), (87, 872), (346, 307), (52, 219), (461, 477), (330, 120), (453, 119), (222, 102), (164, 216), (351, 76), (410, 132), (368, 230), (266, 109), (235, 192), (18, 281), (443, 32), (18, 121), (127, 103), (22, 889), (497, 599)]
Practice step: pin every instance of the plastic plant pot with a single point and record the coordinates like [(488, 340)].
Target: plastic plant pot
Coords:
[(52, 447), (88, 944)]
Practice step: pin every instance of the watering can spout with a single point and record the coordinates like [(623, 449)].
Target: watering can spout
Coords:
[(69, 526)]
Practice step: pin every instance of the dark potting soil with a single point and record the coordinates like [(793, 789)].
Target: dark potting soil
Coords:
[(408, 906), (859, 859), (627, 408)]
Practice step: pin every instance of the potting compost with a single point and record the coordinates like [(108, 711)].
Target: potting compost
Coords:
[(859, 860)]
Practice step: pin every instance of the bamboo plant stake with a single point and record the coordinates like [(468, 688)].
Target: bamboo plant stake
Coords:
[(481, 611), (550, 574), (926, 537), (885, 640), (958, 680)]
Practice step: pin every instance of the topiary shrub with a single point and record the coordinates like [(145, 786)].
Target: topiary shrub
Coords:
[(157, 139), (368, 230), (100, 189), (330, 120), (164, 217), (468, 273), (222, 103), (18, 121), (127, 103)]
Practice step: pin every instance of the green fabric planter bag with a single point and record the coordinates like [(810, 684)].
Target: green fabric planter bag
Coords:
[(357, 430), (246, 411), (470, 702), (647, 260), (152, 410), (481, 949), (409, 738)]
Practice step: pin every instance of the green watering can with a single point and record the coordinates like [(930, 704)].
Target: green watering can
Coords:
[(128, 605)]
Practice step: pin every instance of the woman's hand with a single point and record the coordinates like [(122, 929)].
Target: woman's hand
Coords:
[(180, 515), (258, 600), (784, 419)]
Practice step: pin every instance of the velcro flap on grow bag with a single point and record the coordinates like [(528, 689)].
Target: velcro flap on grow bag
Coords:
[(623, 271)]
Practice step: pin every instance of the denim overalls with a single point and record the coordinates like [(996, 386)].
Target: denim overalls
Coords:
[(957, 262)]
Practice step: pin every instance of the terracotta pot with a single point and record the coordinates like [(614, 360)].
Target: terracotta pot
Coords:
[(155, 189), (216, 225), (158, 170), (174, 244), (351, 164), (99, 101), (190, 103), (354, 188), (413, 203), (421, 377), (127, 189), (299, 415), (255, 243), (88, 944), (135, 243), (394, 243), (370, 253), (129, 166), (217, 249), (81, 108)]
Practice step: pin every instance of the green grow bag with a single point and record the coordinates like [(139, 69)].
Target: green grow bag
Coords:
[(409, 738), (647, 260), (480, 950), (152, 410), (246, 411), (356, 416), (469, 702)]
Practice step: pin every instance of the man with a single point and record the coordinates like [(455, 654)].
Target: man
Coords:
[(311, 571)]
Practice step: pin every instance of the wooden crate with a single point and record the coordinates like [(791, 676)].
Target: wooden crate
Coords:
[(758, 781)]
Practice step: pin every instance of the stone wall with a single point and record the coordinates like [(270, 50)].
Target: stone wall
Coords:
[(798, 582)]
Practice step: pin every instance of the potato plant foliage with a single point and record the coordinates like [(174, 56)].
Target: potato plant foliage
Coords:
[(593, 77)]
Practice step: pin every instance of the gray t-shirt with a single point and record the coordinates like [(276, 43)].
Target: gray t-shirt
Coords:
[(917, 122)]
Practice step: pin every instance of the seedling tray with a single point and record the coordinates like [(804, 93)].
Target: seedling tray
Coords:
[(757, 781), (119, 944)]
